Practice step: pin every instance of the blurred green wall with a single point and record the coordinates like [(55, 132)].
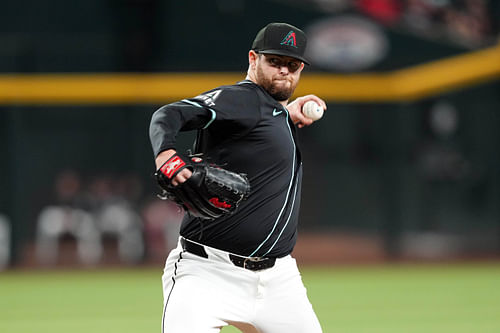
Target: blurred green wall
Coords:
[(362, 161)]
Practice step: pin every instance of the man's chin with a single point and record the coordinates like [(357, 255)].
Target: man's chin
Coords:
[(281, 95), (285, 92)]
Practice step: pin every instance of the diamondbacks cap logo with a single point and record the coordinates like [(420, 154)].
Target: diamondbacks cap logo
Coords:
[(289, 39)]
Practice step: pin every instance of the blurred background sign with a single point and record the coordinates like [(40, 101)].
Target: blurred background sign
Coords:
[(404, 164)]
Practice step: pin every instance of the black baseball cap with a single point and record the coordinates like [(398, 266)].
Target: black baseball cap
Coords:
[(281, 39)]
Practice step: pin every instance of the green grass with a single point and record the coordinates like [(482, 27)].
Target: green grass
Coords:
[(427, 299)]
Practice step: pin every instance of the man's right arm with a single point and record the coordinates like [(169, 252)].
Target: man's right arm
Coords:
[(165, 125), (170, 119)]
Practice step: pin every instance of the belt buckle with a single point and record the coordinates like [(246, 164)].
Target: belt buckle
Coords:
[(253, 260)]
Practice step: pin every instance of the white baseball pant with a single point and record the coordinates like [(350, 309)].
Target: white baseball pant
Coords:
[(202, 295)]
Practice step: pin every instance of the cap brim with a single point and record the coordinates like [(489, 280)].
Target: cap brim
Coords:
[(284, 53)]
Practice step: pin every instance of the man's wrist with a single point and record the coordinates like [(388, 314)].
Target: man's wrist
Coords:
[(163, 157)]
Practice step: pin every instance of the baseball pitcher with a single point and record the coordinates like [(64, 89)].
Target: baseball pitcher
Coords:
[(240, 188)]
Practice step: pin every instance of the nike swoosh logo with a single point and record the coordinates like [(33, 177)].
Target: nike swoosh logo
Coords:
[(275, 113)]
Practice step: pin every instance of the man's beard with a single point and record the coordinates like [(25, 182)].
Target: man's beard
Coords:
[(278, 93)]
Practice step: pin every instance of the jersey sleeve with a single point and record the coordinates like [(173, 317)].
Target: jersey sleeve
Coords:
[(170, 119), (229, 111)]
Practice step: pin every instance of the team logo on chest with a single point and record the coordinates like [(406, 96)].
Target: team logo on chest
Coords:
[(209, 98)]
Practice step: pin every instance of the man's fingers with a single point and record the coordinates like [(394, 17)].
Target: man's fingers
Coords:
[(314, 98), (181, 177), (303, 120)]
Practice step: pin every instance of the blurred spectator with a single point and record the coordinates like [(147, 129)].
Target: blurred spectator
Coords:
[(440, 157), (423, 15), (466, 22), (5, 235), (385, 11), (105, 209), (162, 221), (441, 165), (470, 23), (453, 184), (67, 215), (115, 214)]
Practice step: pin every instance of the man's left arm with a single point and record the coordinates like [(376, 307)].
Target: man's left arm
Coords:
[(295, 109)]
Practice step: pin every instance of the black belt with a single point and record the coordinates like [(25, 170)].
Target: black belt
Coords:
[(253, 264)]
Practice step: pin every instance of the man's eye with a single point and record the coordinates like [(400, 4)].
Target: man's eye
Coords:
[(275, 62), (293, 66)]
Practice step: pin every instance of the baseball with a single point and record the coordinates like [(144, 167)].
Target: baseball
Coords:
[(312, 110)]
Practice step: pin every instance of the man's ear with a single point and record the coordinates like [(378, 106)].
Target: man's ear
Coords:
[(252, 58), (301, 68)]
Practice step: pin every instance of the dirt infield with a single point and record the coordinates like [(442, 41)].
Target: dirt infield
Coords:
[(327, 248), (311, 249), (320, 249)]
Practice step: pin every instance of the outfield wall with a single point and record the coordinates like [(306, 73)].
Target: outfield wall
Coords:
[(406, 154)]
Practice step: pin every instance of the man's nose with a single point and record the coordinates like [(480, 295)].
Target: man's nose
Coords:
[(284, 70)]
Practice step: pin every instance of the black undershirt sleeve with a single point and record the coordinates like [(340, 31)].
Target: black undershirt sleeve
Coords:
[(170, 119)]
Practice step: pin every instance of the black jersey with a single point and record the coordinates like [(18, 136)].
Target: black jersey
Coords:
[(247, 131)]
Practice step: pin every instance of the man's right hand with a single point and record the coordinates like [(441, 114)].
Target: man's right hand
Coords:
[(182, 176)]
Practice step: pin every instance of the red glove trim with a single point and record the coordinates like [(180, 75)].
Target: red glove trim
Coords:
[(171, 166)]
